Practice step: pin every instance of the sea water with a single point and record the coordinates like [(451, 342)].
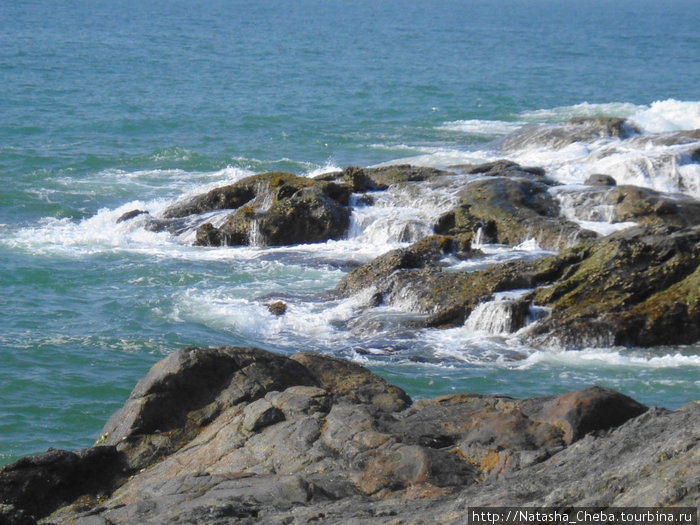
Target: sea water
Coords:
[(108, 107)]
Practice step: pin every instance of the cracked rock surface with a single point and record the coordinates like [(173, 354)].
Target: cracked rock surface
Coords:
[(223, 435)]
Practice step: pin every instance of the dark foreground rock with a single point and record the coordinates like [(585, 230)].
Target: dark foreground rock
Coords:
[(223, 435)]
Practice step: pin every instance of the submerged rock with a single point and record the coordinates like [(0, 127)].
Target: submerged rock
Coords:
[(277, 308), (312, 438), (577, 129), (130, 215), (600, 179)]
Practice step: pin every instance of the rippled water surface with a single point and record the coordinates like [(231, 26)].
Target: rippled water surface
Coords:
[(110, 108)]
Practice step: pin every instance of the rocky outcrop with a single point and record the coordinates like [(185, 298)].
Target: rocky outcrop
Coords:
[(647, 206), (423, 254), (380, 178), (638, 287), (577, 129), (510, 210), (273, 209), (312, 438), (502, 168)]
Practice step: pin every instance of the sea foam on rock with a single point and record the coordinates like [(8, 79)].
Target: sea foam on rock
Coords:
[(261, 438)]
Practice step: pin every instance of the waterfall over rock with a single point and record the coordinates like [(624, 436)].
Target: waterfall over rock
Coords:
[(500, 316)]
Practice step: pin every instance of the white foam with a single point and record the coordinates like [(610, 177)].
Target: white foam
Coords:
[(482, 128), (402, 214), (668, 115), (585, 109), (610, 357), (329, 167), (604, 228)]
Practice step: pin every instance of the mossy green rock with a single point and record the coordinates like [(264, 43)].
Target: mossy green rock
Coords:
[(638, 287), (380, 178), (647, 206), (510, 211), (272, 209)]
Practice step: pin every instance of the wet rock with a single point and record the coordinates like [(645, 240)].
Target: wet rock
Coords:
[(342, 444), (130, 215), (277, 308), (419, 255), (648, 206), (380, 178), (385, 176), (502, 168), (272, 209), (599, 179), (577, 129), (637, 287), (694, 155), (208, 235), (447, 299), (510, 211), (228, 197)]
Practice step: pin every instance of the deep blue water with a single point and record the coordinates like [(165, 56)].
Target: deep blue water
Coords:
[(106, 103)]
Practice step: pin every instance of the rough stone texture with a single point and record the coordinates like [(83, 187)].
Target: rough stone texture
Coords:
[(510, 210), (502, 168), (268, 209), (646, 206), (351, 448), (188, 389), (380, 178), (423, 254), (638, 287)]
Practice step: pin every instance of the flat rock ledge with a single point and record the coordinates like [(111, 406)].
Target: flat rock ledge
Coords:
[(240, 435)]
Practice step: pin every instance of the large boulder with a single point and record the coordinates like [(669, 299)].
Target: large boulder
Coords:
[(188, 389), (267, 209), (510, 210), (638, 287), (312, 438)]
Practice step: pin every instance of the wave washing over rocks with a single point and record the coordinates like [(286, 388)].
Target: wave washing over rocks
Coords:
[(593, 264), (597, 247)]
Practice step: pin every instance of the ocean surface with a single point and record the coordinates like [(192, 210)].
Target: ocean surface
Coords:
[(110, 106)]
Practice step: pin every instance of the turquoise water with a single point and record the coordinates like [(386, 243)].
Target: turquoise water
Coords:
[(105, 108)]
